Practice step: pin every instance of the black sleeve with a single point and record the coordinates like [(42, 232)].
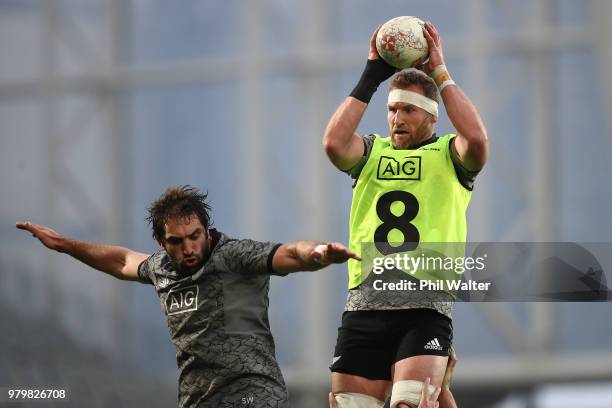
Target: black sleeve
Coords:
[(368, 142), (465, 176), (250, 257), (144, 271)]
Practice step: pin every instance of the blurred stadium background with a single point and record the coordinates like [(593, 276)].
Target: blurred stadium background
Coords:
[(105, 103)]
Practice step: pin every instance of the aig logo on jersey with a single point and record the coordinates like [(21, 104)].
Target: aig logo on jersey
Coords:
[(404, 168), (182, 300)]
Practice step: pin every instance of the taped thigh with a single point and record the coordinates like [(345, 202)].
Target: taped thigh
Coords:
[(355, 400), (408, 391)]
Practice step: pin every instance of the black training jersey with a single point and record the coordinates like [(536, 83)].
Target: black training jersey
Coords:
[(218, 321)]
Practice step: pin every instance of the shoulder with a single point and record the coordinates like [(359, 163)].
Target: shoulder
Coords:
[(368, 144), (225, 245), (230, 247), (446, 139), (157, 261), (465, 177), (241, 246), (369, 140), (245, 256), (371, 143)]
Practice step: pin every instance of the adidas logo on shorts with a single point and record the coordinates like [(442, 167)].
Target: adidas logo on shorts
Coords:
[(433, 345)]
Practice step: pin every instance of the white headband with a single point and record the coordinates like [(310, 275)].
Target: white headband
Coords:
[(413, 98)]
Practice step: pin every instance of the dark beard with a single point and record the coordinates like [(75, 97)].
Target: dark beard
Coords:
[(188, 271), (421, 136)]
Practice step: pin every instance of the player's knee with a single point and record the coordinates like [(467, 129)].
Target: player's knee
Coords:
[(354, 400), (408, 392)]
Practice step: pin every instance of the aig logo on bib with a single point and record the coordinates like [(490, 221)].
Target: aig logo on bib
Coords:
[(182, 300), (404, 168)]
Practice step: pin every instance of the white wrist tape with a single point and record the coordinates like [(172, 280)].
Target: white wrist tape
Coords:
[(413, 98), (439, 70), (441, 77), (445, 84)]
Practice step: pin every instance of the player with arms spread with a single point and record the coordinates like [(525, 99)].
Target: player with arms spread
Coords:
[(411, 187), (213, 290)]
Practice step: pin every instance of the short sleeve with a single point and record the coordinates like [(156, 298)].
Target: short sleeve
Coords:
[(144, 271), (368, 142), (249, 257)]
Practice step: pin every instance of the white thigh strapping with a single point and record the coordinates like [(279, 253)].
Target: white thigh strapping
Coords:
[(355, 400), (408, 391)]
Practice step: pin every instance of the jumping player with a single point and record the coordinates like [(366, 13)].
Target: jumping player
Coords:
[(213, 290), (410, 187)]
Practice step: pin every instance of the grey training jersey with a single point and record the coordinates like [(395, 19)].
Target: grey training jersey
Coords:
[(218, 321)]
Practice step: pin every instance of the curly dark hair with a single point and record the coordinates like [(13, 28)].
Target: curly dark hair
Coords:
[(412, 76), (178, 201)]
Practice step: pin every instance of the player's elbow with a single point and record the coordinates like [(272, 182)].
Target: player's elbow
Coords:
[(121, 277), (330, 145), (125, 275), (482, 137), (128, 271), (336, 151), (332, 150), (476, 134), (478, 151)]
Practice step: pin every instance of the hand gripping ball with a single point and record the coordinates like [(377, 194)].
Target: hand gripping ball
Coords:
[(401, 43)]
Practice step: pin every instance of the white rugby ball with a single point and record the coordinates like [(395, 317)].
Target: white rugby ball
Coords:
[(401, 43)]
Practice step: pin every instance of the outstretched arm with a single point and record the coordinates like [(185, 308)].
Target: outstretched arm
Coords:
[(310, 256), (471, 145), (119, 262), (343, 146)]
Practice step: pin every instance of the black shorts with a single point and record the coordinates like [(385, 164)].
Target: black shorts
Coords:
[(371, 341)]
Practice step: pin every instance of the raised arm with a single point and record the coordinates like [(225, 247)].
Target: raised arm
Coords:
[(119, 262), (309, 256), (343, 146), (471, 145)]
